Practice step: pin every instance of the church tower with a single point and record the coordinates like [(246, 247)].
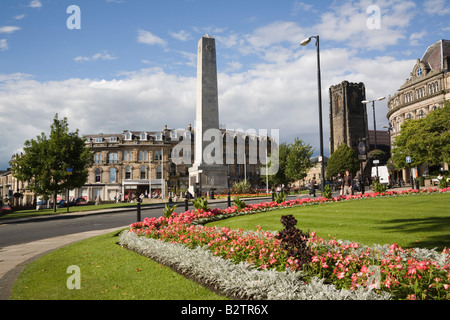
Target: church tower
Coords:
[(348, 116)]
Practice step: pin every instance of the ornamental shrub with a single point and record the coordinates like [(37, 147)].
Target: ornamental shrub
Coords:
[(294, 241), (280, 197), (240, 204), (201, 204), (327, 192)]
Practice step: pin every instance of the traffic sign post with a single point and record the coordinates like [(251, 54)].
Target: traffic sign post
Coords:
[(69, 172), (408, 161), (362, 157)]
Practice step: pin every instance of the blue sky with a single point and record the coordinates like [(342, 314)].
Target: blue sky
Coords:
[(132, 65)]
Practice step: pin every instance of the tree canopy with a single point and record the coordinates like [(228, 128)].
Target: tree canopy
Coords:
[(343, 159), (293, 162), (46, 161), (425, 140)]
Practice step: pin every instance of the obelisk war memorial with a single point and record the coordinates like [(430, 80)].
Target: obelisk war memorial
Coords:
[(207, 175)]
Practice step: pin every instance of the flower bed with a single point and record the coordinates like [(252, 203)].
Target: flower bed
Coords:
[(400, 273)]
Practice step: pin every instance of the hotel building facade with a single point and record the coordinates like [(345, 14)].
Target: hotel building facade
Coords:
[(426, 89)]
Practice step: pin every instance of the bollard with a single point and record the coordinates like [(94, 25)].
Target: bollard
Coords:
[(186, 204), (229, 199), (273, 194), (138, 210)]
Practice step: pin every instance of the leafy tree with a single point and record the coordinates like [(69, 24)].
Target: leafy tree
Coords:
[(343, 159), (298, 160), (45, 161), (294, 162), (280, 176), (425, 140)]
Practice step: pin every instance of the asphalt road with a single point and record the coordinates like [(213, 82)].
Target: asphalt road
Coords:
[(26, 230)]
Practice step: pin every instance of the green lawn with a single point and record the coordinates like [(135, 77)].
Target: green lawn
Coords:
[(111, 272), (410, 221), (108, 272)]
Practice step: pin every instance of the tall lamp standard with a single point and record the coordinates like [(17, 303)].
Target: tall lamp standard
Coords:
[(374, 120), (319, 84)]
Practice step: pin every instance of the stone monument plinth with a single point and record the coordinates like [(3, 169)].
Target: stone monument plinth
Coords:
[(208, 173)]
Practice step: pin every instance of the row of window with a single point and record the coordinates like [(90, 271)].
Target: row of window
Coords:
[(127, 156), (128, 173), (419, 114), (421, 92), (143, 136), (143, 173)]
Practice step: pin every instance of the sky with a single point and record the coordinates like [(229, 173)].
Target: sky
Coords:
[(115, 65)]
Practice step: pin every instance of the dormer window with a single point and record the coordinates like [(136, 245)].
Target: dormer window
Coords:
[(187, 134), (113, 139), (159, 136), (98, 140), (419, 71), (174, 135), (143, 136), (128, 136)]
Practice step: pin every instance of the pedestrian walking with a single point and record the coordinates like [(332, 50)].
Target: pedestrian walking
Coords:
[(312, 187), (348, 184)]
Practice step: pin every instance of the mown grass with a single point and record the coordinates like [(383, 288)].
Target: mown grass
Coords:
[(421, 220), (111, 272), (108, 272)]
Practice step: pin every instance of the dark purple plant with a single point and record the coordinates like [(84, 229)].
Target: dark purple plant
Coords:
[(294, 241)]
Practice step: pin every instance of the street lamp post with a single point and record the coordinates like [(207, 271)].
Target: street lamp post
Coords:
[(374, 120), (319, 84)]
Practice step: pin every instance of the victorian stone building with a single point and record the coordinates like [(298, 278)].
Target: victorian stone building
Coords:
[(142, 162), (426, 89), (348, 115)]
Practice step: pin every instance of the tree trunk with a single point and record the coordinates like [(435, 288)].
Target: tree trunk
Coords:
[(54, 201)]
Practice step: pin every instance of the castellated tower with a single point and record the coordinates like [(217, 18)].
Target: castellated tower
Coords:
[(348, 116)]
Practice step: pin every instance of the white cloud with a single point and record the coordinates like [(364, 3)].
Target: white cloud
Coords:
[(279, 94), (347, 23), (19, 17), (233, 66), (182, 35), (278, 91), (301, 7), (98, 56), (146, 37), (9, 29), (415, 37), (276, 33), (436, 7), (3, 45), (35, 4)]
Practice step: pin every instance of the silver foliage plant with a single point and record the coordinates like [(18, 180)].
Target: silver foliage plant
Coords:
[(239, 281)]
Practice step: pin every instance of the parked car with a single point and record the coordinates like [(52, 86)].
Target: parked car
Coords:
[(78, 202), (61, 204)]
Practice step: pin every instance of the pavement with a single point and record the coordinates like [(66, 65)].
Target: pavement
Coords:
[(13, 259)]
